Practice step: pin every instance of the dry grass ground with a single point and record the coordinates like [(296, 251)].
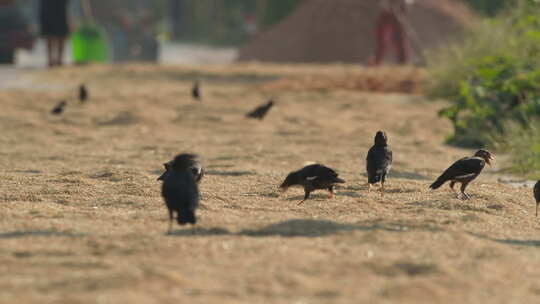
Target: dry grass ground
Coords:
[(82, 219)]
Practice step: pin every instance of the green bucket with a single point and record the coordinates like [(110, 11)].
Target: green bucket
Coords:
[(89, 44)]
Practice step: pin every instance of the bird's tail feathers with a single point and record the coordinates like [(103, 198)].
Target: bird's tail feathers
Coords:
[(437, 184)]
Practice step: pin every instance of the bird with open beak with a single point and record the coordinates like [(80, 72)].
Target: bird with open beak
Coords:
[(464, 171)]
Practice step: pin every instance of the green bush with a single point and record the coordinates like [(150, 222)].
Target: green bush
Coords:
[(488, 7), (491, 78), (523, 147)]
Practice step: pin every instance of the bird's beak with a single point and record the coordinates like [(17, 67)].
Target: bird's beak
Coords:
[(488, 161)]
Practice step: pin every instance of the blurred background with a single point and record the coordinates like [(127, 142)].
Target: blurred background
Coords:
[(220, 31)]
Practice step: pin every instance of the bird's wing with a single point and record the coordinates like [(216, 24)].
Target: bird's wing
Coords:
[(378, 159), (311, 172), (464, 167)]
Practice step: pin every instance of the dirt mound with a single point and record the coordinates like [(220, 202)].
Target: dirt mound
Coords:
[(343, 31)]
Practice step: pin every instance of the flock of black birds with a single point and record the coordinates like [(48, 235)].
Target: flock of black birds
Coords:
[(183, 174)]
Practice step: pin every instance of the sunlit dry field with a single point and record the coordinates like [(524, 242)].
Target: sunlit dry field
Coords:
[(82, 219)]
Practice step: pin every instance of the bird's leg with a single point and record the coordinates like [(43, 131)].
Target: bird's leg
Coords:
[(331, 190), (383, 180), (536, 209), (306, 196), (465, 195), (369, 186), (452, 183)]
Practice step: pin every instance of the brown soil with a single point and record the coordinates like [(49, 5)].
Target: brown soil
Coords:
[(343, 31), (82, 220)]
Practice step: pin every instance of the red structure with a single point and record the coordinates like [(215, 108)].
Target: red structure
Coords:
[(390, 31), (344, 31)]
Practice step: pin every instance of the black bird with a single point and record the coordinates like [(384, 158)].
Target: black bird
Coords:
[(261, 111), (312, 177), (180, 191), (379, 160), (196, 91), (536, 192), (59, 108), (464, 171), (83, 93), (196, 168)]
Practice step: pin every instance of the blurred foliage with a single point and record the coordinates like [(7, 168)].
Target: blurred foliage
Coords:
[(489, 7), (492, 80), (523, 146), (277, 10)]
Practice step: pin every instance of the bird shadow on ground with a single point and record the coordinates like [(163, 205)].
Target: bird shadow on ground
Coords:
[(362, 187), (306, 228), (44, 233), (317, 228), (312, 197), (399, 190), (198, 231), (271, 194), (529, 243), (408, 175), (349, 194), (451, 205), (229, 173), (122, 119)]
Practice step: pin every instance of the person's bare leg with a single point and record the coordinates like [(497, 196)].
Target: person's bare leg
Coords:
[(54, 50), (50, 58), (60, 50)]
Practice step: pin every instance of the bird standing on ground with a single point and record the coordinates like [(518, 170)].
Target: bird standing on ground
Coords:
[(464, 171), (180, 191), (196, 91), (379, 160), (536, 192), (59, 108), (195, 167), (261, 111), (312, 177), (83, 93)]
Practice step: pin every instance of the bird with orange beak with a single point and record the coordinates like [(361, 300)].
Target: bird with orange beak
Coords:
[(464, 171)]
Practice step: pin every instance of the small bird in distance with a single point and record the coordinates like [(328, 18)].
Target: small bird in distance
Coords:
[(196, 90), (59, 108), (261, 111), (83, 93)]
